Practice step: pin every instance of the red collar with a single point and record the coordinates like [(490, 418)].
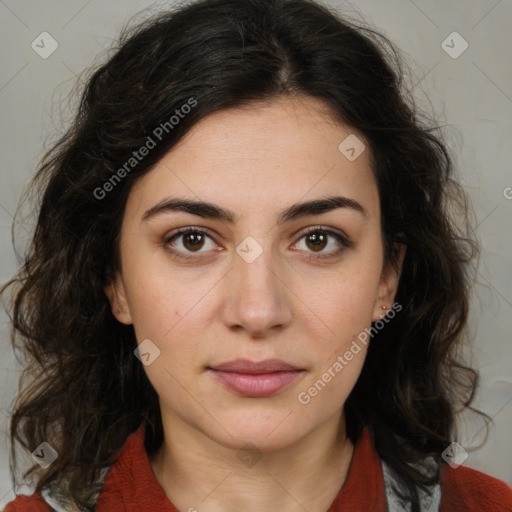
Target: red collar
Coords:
[(131, 486)]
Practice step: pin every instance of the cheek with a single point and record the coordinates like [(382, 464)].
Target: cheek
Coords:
[(162, 297), (340, 304), (338, 347), (175, 310)]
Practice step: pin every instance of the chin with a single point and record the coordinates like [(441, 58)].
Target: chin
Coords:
[(267, 431)]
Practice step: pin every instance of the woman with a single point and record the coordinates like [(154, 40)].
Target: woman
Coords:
[(247, 288)]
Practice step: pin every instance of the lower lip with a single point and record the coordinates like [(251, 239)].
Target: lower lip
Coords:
[(265, 384)]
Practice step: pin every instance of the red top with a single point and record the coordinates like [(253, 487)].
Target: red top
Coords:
[(131, 486)]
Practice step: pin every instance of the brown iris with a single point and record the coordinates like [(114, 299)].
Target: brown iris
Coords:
[(318, 240), (193, 241)]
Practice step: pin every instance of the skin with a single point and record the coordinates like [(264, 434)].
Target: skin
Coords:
[(287, 304)]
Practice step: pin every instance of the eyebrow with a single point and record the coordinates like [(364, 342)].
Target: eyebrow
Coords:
[(211, 211)]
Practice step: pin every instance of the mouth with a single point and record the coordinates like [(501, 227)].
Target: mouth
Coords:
[(255, 379)]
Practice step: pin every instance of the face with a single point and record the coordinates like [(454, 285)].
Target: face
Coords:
[(254, 279)]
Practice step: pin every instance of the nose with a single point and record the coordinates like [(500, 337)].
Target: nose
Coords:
[(258, 300)]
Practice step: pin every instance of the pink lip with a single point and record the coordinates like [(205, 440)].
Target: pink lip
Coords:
[(256, 379)]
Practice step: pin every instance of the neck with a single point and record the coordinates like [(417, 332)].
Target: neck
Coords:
[(196, 473)]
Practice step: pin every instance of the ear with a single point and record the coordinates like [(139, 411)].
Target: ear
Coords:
[(388, 285), (116, 293)]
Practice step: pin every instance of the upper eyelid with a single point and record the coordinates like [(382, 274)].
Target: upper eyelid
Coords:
[(310, 229), (186, 230)]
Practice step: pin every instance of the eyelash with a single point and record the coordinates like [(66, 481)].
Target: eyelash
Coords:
[(341, 239)]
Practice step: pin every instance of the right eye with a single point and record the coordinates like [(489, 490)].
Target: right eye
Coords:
[(187, 241)]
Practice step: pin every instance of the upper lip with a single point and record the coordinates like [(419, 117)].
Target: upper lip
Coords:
[(255, 367)]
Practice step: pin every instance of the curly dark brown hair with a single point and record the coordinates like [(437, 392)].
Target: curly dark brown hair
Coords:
[(82, 387)]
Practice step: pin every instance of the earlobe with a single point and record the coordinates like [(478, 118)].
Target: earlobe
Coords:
[(115, 291)]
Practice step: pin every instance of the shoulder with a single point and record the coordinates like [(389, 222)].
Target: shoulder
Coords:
[(132, 449), (33, 503), (468, 490)]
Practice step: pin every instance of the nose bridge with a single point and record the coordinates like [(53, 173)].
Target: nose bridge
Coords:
[(259, 300), (256, 272)]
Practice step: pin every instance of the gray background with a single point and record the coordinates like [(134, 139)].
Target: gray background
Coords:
[(471, 95)]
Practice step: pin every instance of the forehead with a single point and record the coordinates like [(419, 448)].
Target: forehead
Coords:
[(262, 155)]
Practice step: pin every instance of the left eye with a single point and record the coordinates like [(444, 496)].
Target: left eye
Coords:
[(318, 239)]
